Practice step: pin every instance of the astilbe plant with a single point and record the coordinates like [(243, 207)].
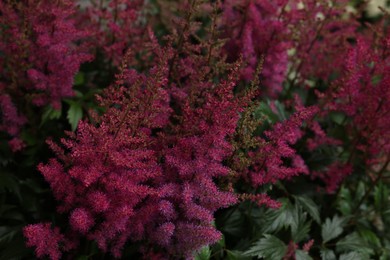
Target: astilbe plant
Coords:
[(180, 136), (145, 170), (105, 170), (362, 95), (271, 157), (39, 59)]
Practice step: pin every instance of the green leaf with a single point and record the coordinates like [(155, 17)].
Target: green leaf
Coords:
[(327, 254), (310, 206), (353, 242), (354, 256), (204, 254), (381, 197), (369, 237), (233, 223), (299, 227), (276, 219), (236, 255), (75, 113), (220, 244), (302, 255), (344, 202), (385, 255), (301, 231), (79, 79), (281, 110), (376, 79), (269, 247), (49, 114), (337, 117), (264, 109), (360, 191), (332, 228)]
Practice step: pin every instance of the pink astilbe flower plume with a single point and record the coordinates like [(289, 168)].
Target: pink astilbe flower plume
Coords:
[(321, 31), (11, 122), (254, 29), (40, 57), (194, 155), (276, 159), (115, 26), (361, 95), (45, 239)]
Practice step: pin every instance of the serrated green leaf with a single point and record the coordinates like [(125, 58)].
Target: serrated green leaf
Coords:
[(332, 228), (327, 254), (310, 206), (353, 242), (276, 219), (233, 222), (344, 202), (354, 256), (300, 227), (269, 247), (75, 113), (369, 237), (302, 255), (204, 254), (301, 232)]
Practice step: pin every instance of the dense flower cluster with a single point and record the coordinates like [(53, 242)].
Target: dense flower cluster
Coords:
[(44, 239), (143, 176), (179, 135), (322, 31), (276, 159), (114, 27), (242, 20), (362, 95), (39, 58)]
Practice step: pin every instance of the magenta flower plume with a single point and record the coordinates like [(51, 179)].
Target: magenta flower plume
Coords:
[(254, 31), (276, 159), (45, 239), (40, 57)]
